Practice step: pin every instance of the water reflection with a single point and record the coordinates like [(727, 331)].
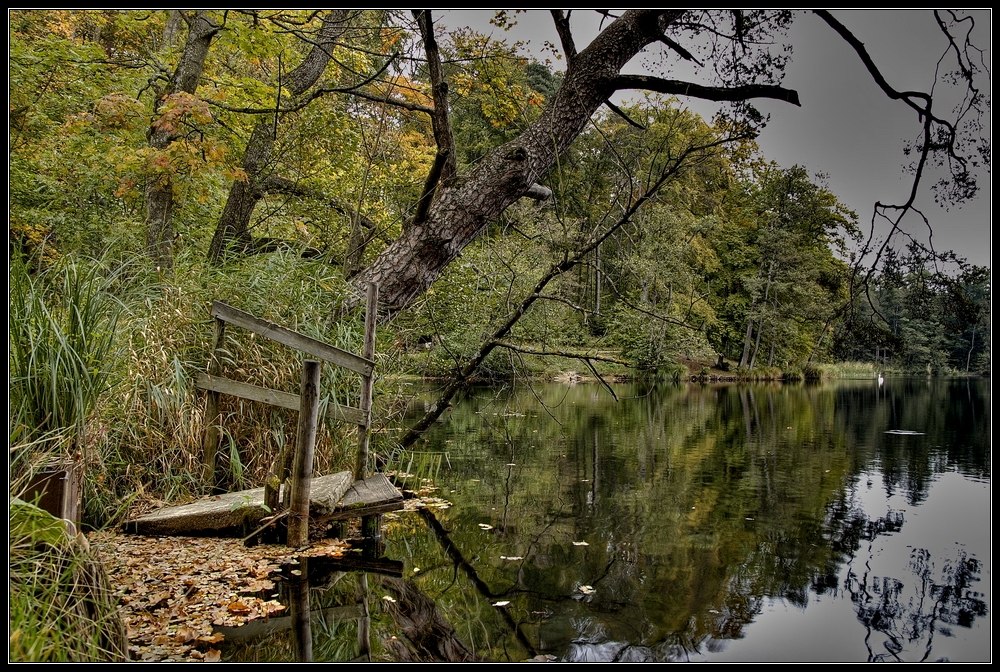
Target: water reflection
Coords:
[(708, 523)]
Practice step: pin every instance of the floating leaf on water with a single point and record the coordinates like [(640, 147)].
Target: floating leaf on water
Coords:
[(586, 590), (748, 518), (580, 543), (904, 432), (501, 603), (484, 526)]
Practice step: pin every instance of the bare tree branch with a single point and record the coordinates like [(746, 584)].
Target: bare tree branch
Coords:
[(395, 102), (538, 192), (565, 34), (445, 162), (675, 87), (621, 113), (681, 51)]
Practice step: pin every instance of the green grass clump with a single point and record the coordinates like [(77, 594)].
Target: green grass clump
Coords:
[(60, 606)]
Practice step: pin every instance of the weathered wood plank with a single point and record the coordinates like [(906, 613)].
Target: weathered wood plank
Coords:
[(277, 398), (293, 339), (372, 495), (374, 489), (327, 491), (233, 510), (353, 562), (261, 627), (333, 497), (247, 391), (362, 510)]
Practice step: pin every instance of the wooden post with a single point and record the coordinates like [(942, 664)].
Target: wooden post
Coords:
[(365, 403), (305, 444), (278, 475), (213, 420), (301, 609), (364, 623)]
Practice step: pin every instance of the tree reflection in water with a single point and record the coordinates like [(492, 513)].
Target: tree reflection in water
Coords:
[(902, 617), (709, 523)]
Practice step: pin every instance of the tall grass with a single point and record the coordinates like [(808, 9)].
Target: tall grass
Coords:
[(850, 370), (153, 429), (103, 361), (61, 336)]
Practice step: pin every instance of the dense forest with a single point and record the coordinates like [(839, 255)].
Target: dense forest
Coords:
[(516, 221)]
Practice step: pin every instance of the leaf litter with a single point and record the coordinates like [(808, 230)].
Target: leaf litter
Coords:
[(174, 591)]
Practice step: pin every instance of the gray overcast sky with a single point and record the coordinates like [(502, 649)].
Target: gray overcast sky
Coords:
[(846, 128)]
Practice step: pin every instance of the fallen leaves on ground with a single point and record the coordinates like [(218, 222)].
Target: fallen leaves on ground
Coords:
[(173, 591)]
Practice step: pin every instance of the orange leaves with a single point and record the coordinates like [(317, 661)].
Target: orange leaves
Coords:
[(174, 591), (179, 109), (238, 608), (390, 38), (399, 86)]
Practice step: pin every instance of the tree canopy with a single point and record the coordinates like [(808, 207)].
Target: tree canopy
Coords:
[(377, 142)]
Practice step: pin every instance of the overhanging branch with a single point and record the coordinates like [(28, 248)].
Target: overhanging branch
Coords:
[(525, 350), (676, 87)]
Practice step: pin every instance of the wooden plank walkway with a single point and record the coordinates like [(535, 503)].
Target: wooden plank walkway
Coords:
[(332, 497)]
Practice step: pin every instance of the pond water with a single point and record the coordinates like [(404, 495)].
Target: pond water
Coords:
[(836, 522)]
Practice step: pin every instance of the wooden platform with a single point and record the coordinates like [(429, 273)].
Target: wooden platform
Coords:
[(332, 497)]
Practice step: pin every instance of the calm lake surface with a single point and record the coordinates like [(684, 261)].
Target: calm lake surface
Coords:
[(836, 522)]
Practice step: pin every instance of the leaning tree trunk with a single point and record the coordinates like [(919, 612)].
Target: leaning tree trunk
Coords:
[(233, 227), (160, 189), (463, 208)]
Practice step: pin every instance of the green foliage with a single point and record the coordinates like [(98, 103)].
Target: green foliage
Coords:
[(921, 319), (780, 281)]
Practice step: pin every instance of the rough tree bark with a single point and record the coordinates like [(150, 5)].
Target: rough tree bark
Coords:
[(462, 209), (202, 28), (233, 227)]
